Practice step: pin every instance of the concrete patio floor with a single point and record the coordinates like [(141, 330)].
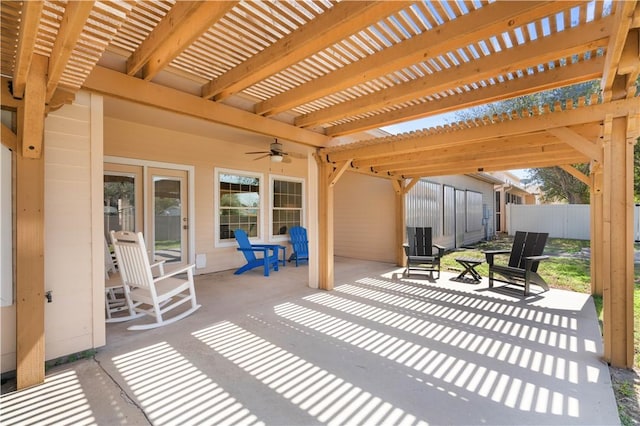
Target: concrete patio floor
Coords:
[(380, 349)]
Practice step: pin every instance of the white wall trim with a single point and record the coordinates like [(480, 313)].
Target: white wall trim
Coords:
[(96, 139)]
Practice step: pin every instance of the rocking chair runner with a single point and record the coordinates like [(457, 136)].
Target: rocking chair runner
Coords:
[(148, 295), (526, 254), (420, 252)]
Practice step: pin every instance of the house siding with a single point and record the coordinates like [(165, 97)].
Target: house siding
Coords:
[(74, 321), (364, 221), (125, 139)]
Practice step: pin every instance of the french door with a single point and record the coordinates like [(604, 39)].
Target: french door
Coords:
[(153, 201)]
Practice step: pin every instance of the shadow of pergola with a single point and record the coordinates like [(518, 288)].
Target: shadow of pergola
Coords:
[(380, 349)]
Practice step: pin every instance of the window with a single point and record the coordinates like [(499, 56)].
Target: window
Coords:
[(239, 204), (287, 201), (119, 202)]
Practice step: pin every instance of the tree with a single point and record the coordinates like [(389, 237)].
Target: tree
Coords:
[(558, 185)]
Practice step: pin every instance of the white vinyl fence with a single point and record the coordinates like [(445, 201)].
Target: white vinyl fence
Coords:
[(559, 220)]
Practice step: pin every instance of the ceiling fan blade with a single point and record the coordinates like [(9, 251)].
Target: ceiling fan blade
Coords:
[(262, 156), (258, 152)]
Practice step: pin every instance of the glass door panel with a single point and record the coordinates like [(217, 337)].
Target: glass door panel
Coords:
[(169, 215), (122, 198)]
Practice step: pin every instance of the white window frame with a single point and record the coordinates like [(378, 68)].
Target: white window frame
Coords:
[(261, 195), (272, 178)]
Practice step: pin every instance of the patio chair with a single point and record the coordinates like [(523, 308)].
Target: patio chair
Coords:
[(109, 261), (149, 295), (115, 297), (300, 244), (525, 256), (420, 252), (270, 254)]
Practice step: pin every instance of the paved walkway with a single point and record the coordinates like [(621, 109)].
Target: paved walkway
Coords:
[(378, 350)]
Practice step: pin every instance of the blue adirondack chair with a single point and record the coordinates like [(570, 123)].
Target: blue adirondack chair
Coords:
[(270, 254), (300, 244)]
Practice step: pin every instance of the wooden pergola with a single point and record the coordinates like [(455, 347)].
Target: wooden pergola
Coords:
[(322, 73)]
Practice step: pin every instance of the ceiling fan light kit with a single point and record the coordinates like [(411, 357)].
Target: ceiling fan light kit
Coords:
[(276, 153)]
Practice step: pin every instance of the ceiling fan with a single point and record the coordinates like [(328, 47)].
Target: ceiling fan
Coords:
[(276, 153)]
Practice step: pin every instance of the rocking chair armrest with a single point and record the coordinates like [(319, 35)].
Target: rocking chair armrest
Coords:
[(176, 272), (159, 265), (406, 248)]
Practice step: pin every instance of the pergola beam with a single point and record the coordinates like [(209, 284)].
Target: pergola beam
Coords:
[(549, 79), (623, 18), (576, 174), (9, 139), (492, 147), (113, 83), (75, 16), (183, 24), (337, 173), (592, 149), (538, 162), (337, 23), (30, 19), (478, 159), (480, 24), (414, 143), (470, 168), (585, 38)]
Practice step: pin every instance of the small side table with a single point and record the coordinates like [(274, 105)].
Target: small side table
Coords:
[(469, 265)]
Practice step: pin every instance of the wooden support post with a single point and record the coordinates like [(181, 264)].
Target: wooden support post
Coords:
[(399, 187), (30, 353), (325, 225), (596, 229), (618, 239)]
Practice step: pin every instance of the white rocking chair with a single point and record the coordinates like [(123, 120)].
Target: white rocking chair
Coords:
[(115, 297), (146, 294)]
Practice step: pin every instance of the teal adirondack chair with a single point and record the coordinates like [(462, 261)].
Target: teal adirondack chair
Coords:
[(270, 254), (300, 244)]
